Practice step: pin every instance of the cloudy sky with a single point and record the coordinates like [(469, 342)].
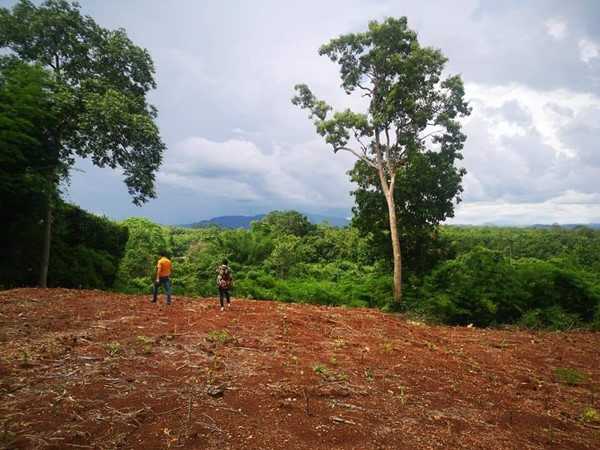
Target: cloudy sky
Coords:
[(236, 145)]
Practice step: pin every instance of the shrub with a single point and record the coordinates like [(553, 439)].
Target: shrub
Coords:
[(484, 287)]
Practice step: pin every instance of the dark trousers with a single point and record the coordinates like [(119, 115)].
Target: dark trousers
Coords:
[(165, 282), (224, 294)]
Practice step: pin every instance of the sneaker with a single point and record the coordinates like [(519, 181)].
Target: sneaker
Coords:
[(222, 309), (229, 305)]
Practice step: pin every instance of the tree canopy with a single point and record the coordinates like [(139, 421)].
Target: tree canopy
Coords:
[(102, 81)]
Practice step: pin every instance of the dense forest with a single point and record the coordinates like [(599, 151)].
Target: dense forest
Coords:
[(63, 100)]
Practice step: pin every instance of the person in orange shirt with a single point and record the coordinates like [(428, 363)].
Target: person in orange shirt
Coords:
[(163, 277)]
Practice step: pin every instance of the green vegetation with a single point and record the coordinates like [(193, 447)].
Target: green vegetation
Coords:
[(220, 337), (87, 248), (569, 376), (272, 260), (113, 348), (590, 415), (283, 257)]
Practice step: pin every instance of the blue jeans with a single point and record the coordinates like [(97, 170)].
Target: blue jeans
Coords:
[(165, 282)]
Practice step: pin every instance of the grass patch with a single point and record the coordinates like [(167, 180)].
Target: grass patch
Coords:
[(590, 415), (329, 375), (569, 376), (219, 337)]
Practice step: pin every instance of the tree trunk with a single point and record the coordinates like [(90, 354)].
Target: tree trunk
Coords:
[(395, 247), (43, 283)]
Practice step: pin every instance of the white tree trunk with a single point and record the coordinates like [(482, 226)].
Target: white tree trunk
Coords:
[(388, 191), (395, 247)]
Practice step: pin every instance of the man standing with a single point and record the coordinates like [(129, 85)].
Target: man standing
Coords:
[(163, 277)]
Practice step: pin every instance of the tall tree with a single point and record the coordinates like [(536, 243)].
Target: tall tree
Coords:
[(410, 107), (102, 79)]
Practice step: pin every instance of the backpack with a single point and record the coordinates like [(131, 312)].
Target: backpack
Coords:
[(224, 280)]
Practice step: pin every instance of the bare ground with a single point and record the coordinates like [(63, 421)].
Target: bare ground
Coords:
[(91, 369)]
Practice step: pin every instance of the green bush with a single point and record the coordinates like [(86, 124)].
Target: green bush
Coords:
[(552, 318), (484, 287)]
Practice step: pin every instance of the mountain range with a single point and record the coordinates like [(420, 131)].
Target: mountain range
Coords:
[(245, 221)]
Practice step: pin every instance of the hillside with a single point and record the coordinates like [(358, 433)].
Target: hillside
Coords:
[(90, 369)]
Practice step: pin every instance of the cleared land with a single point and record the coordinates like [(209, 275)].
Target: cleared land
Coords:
[(90, 369)]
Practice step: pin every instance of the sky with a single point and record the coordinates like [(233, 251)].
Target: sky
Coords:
[(236, 145)]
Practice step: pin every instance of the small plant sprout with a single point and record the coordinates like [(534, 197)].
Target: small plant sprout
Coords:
[(113, 348), (320, 369), (388, 347), (25, 358), (339, 343), (590, 415), (146, 344), (402, 394)]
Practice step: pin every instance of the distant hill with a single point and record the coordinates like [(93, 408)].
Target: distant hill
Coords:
[(245, 221), (567, 226), (594, 226)]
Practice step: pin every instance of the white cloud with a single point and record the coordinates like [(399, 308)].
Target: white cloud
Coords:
[(548, 110), (306, 174), (557, 28), (559, 210), (588, 50), (521, 168)]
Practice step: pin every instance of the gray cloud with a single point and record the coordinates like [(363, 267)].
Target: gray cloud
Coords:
[(236, 144)]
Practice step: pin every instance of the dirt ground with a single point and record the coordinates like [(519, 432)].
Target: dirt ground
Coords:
[(90, 369)]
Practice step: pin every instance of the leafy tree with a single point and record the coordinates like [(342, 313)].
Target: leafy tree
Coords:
[(25, 114), (285, 255), (285, 222), (101, 81), (146, 241), (428, 186), (411, 109)]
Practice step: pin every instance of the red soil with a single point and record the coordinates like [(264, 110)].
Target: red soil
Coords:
[(91, 369)]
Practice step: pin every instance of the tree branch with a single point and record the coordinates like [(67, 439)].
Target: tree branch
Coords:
[(364, 88), (355, 153), (362, 146), (430, 134)]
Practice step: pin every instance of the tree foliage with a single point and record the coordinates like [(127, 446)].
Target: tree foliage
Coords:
[(98, 102), (285, 222), (484, 287), (428, 189), (102, 81)]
